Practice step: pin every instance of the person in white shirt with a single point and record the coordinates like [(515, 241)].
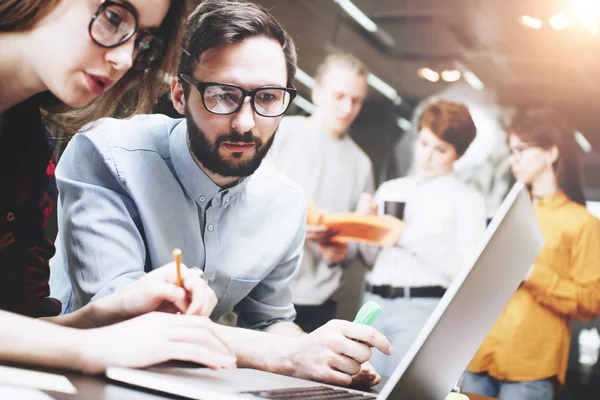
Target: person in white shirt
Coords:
[(319, 155), (443, 218)]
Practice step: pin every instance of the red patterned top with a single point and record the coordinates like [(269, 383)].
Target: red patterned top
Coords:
[(27, 194)]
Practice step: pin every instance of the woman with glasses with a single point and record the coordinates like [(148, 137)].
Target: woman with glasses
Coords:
[(525, 354), (72, 62)]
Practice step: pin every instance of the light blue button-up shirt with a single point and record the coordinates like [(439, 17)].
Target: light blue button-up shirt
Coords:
[(130, 192)]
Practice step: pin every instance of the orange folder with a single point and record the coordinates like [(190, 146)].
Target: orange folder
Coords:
[(371, 229)]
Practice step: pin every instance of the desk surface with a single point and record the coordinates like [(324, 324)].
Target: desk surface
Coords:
[(100, 388)]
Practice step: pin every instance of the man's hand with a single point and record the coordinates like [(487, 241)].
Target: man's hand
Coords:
[(333, 252), (151, 339), (319, 233), (367, 376), (366, 205), (158, 291), (336, 353)]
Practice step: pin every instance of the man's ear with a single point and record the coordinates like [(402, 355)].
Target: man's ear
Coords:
[(178, 96)]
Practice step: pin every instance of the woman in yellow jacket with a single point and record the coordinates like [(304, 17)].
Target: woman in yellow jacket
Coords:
[(525, 354)]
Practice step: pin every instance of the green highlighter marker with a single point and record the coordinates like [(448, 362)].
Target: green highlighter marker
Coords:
[(367, 313)]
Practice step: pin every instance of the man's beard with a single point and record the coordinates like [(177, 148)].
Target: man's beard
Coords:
[(207, 153)]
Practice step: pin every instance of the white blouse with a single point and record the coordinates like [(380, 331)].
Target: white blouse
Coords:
[(444, 220)]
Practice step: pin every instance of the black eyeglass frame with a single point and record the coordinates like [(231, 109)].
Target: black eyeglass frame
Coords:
[(202, 86), (519, 151), (108, 3)]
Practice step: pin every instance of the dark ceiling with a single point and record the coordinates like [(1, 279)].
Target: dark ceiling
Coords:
[(523, 66)]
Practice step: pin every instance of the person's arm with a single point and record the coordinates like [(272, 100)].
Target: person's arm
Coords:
[(270, 302), (577, 295), (336, 353), (99, 238), (288, 329), (440, 253), (140, 342), (30, 341), (156, 291), (368, 205), (368, 186)]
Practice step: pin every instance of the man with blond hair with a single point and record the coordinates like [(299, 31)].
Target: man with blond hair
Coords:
[(319, 155)]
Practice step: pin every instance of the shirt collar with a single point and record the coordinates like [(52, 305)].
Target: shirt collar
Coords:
[(438, 179), (554, 201), (192, 177)]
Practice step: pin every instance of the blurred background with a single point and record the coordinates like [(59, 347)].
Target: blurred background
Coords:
[(493, 55)]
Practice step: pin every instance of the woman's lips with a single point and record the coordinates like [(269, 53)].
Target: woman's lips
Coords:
[(97, 84)]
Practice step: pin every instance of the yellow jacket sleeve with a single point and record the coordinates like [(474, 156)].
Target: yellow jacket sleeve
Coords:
[(577, 295)]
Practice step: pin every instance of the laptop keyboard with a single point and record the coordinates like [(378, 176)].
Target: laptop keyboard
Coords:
[(311, 393)]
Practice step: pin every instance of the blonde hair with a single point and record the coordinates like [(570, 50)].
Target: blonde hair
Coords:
[(343, 59)]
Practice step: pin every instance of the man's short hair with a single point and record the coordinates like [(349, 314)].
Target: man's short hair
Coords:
[(217, 23), (346, 60), (450, 122)]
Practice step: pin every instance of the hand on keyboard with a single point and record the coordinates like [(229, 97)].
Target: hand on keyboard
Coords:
[(367, 376), (336, 353)]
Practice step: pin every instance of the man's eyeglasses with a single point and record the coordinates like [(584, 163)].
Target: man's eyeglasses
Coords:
[(115, 23), (224, 99)]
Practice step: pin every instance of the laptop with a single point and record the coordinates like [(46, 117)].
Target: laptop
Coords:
[(437, 357)]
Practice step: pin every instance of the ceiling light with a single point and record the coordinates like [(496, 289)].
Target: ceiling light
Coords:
[(304, 104), (451, 75), (357, 15), (559, 21), (428, 74), (381, 37), (305, 79), (384, 89), (583, 142), (404, 124), (587, 12), (531, 22), (473, 80)]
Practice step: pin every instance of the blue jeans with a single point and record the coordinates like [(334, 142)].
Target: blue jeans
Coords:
[(485, 385), (400, 321)]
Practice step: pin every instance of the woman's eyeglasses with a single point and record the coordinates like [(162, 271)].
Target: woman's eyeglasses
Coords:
[(517, 151), (115, 23)]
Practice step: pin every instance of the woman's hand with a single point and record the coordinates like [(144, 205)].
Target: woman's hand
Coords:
[(152, 339)]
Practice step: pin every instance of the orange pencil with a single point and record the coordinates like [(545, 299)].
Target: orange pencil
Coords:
[(177, 258)]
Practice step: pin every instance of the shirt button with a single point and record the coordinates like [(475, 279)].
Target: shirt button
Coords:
[(202, 198), (10, 217), (211, 227), (226, 199)]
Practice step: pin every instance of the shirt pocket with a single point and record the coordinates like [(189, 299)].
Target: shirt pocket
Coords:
[(235, 291)]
